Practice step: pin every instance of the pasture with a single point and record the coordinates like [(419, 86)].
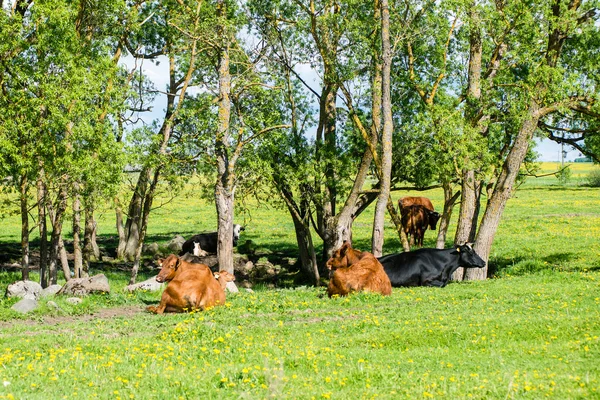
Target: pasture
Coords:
[(530, 332)]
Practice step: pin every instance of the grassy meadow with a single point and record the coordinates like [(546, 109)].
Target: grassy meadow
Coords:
[(530, 332)]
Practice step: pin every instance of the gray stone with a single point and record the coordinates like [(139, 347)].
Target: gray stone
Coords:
[(74, 300), (84, 286), (25, 305), (24, 290), (231, 288), (249, 290), (151, 249), (50, 290), (176, 244), (149, 284), (53, 305)]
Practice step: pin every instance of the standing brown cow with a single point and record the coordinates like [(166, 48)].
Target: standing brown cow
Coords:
[(417, 214), (354, 271), (416, 200)]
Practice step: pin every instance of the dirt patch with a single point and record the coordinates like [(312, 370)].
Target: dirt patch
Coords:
[(104, 313)]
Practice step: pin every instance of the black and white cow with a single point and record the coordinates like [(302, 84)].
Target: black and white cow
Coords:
[(429, 267), (208, 241)]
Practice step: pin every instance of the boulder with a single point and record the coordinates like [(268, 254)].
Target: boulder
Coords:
[(84, 286), (149, 284), (25, 305), (50, 290), (151, 249), (53, 305), (231, 288), (24, 290), (176, 244)]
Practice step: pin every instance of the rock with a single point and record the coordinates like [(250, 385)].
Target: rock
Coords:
[(84, 286), (25, 305), (53, 305), (249, 290), (231, 288), (149, 284), (24, 290), (151, 249), (176, 244), (50, 290), (74, 300)]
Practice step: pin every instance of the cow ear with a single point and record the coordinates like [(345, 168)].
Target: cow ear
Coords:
[(345, 248)]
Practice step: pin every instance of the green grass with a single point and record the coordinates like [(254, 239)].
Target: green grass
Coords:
[(532, 332), (526, 337)]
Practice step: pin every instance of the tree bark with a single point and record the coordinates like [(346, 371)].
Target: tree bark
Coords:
[(449, 202), (23, 187), (386, 159), (57, 222), (42, 224), (147, 206), (129, 240), (77, 253), (91, 252), (224, 190)]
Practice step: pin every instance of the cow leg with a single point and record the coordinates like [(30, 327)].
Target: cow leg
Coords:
[(436, 283)]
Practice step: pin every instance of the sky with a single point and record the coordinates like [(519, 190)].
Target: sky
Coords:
[(548, 150)]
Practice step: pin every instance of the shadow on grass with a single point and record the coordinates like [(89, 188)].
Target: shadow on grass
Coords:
[(522, 265)]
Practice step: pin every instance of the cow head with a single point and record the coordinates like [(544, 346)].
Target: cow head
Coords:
[(433, 217), (468, 257), (339, 259), (237, 229), (343, 257), (168, 268)]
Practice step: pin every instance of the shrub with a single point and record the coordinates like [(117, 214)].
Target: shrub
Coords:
[(593, 178), (564, 175)]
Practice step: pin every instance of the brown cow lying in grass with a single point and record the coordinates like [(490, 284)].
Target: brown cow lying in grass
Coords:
[(355, 271), (191, 286)]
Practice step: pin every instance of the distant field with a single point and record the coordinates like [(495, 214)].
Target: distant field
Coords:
[(531, 332)]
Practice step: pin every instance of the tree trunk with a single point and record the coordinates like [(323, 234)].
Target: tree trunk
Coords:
[(42, 224), (129, 241), (77, 253), (91, 252), (468, 202), (308, 256), (64, 261), (503, 190), (57, 221), (147, 206), (120, 228), (386, 139), (23, 187), (449, 202), (225, 185)]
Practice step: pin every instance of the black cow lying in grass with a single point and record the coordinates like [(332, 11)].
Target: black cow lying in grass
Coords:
[(208, 241), (429, 267)]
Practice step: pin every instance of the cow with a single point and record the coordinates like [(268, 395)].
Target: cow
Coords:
[(207, 242), (416, 200), (191, 286), (353, 271), (415, 219), (429, 267), (409, 201)]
